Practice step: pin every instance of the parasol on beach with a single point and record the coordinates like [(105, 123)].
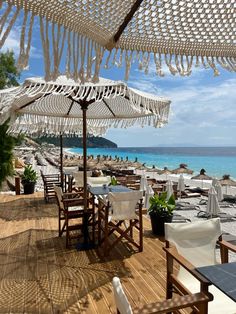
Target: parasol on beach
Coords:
[(143, 183), (213, 208), (65, 107), (227, 181), (181, 185), (202, 176), (174, 35), (182, 169), (149, 193), (169, 188), (165, 171), (214, 182), (219, 192)]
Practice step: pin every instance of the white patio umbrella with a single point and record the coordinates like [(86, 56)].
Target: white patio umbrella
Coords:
[(179, 35), (181, 184), (219, 191), (65, 107), (169, 188), (143, 183), (148, 195), (214, 182), (213, 208)]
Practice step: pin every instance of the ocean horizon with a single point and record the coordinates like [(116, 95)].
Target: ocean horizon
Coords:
[(217, 161)]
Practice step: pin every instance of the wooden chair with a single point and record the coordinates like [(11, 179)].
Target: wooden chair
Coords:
[(49, 180), (71, 207), (193, 245), (120, 214), (77, 180), (179, 302)]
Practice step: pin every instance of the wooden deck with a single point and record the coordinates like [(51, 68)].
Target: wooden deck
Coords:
[(38, 275)]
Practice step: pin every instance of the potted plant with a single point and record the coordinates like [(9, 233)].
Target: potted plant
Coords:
[(28, 179), (161, 211)]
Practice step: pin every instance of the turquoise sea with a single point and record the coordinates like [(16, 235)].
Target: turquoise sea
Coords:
[(217, 161)]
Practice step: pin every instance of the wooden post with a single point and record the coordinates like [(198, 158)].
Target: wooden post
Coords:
[(17, 185)]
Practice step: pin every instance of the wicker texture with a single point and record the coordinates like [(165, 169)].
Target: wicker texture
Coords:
[(178, 33)]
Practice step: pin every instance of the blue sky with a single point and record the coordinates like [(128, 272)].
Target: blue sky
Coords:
[(203, 109)]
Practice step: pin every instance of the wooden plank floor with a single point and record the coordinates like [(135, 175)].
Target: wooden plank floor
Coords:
[(38, 275)]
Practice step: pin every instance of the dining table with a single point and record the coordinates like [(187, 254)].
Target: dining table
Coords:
[(223, 276), (105, 189)]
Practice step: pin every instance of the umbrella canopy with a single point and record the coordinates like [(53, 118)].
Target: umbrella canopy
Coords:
[(148, 195), (202, 176), (227, 181), (54, 108), (213, 208), (169, 188), (165, 171), (181, 184), (219, 192), (67, 107), (143, 183), (214, 182), (179, 34), (182, 169)]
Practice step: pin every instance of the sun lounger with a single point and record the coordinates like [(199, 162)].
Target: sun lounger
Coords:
[(230, 198), (186, 206), (180, 218), (223, 216), (186, 194), (202, 191), (229, 237)]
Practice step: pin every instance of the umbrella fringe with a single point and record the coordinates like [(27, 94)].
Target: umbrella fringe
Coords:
[(84, 55), (36, 90), (49, 125)]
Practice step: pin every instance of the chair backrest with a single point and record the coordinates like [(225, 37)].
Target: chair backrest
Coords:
[(98, 181), (59, 195), (196, 241), (79, 177), (123, 204), (122, 303)]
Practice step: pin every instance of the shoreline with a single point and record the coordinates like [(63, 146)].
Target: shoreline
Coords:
[(48, 156), (215, 166)]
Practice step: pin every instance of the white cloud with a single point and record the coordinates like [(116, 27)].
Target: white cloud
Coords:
[(13, 43), (202, 111)]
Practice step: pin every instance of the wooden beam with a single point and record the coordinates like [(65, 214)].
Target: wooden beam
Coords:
[(127, 19)]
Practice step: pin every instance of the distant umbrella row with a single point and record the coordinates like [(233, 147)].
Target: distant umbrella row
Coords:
[(226, 180), (106, 162)]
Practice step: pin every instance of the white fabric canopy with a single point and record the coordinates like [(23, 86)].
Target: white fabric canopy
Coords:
[(219, 191), (169, 188), (143, 183), (52, 108), (213, 207), (148, 195), (178, 33), (181, 184)]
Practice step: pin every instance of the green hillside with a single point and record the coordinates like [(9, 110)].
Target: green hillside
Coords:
[(74, 141)]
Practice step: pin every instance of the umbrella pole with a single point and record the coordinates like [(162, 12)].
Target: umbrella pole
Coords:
[(86, 245), (61, 161)]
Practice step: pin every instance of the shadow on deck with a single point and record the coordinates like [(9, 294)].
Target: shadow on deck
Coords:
[(38, 275)]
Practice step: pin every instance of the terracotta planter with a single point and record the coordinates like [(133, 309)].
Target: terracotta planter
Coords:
[(158, 222)]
